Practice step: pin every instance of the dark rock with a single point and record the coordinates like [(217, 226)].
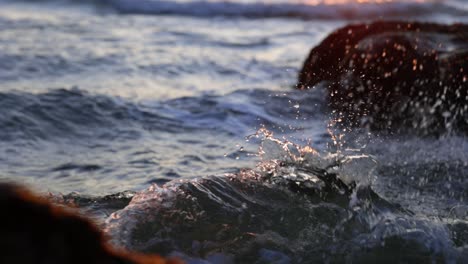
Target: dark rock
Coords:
[(35, 231), (395, 77)]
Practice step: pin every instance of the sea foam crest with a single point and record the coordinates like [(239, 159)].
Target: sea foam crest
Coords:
[(350, 165), (295, 206)]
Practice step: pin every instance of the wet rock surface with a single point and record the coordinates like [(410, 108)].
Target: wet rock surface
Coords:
[(395, 77)]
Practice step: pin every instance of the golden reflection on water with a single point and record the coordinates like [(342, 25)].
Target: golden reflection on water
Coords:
[(340, 2)]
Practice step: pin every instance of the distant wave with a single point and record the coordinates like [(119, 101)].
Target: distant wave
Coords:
[(256, 9), (74, 113), (262, 9)]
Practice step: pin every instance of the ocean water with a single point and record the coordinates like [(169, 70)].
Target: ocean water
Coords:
[(175, 125)]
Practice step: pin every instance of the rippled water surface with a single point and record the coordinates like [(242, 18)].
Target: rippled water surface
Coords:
[(159, 98)]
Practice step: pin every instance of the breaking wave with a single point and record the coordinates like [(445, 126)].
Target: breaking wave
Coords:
[(300, 206)]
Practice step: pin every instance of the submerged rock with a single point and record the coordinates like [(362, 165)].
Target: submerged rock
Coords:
[(396, 77), (35, 231)]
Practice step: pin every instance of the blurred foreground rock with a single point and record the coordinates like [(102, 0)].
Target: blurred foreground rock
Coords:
[(35, 231)]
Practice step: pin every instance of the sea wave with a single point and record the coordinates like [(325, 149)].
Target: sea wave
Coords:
[(298, 9), (301, 206), (71, 113), (74, 113), (95, 143)]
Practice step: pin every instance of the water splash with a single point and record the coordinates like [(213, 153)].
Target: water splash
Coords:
[(296, 205)]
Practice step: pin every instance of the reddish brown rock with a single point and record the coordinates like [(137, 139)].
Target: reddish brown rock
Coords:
[(394, 76), (34, 231)]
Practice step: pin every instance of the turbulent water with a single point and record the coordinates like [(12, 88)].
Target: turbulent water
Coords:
[(174, 124)]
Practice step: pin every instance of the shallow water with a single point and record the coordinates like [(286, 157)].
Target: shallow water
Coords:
[(103, 97)]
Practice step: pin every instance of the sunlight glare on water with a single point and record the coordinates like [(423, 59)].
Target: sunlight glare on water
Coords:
[(334, 2), (337, 2)]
